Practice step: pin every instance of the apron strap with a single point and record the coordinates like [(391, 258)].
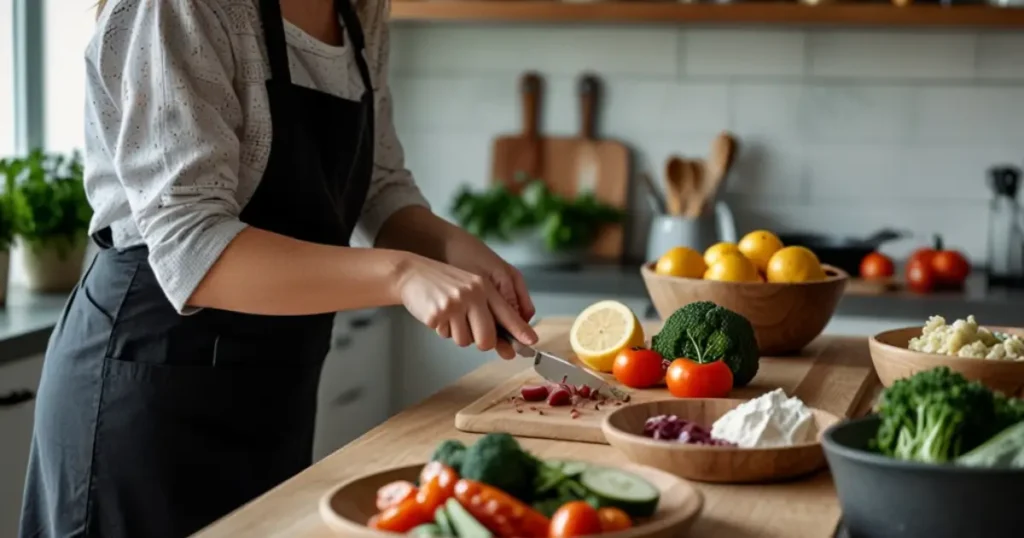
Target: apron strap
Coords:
[(273, 34), (355, 33)]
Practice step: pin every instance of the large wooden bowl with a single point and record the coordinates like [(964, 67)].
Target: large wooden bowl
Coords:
[(786, 317), (349, 506), (894, 361), (624, 427)]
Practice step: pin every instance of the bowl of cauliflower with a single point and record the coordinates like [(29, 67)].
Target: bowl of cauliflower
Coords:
[(991, 355)]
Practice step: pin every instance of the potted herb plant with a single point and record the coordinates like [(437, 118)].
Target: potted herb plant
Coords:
[(51, 218), (6, 235), (535, 226)]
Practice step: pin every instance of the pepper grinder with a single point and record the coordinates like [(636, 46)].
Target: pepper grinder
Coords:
[(1006, 229)]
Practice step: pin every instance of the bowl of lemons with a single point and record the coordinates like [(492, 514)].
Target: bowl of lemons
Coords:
[(785, 292)]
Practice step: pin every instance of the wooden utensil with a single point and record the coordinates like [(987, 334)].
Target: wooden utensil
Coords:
[(679, 185), (723, 153), (694, 194), (348, 507), (587, 160), (522, 154), (624, 430)]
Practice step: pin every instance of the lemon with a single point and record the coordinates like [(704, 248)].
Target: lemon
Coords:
[(601, 331), (794, 264), (732, 268), (682, 262), (759, 246), (716, 251)]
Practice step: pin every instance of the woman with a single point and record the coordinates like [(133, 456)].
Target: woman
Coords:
[(233, 147)]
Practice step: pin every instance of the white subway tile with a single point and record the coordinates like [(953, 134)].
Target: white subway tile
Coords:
[(891, 54), (767, 110), (769, 168), (564, 50), (971, 116), (488, 104), (858, 172), (743, 52), (662, 107), (853, 113), (1001, 55)]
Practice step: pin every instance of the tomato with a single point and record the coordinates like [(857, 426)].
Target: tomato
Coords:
[(639, 368), (576, 518), (437, 485), (876, 265), (501, 513), (613, 519), (402, 517), (920, 277), (923, 255), (394, 493), (950, 267), (692, 379)]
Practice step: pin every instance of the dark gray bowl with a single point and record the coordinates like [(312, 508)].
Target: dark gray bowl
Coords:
[(882, 497)]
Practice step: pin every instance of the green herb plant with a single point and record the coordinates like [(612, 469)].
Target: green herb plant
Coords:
[(500, 214), (46, 200)]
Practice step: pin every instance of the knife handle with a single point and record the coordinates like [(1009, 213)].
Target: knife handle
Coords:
[(503, 334)]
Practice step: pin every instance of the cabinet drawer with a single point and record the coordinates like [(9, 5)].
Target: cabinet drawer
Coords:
[(19, 381)]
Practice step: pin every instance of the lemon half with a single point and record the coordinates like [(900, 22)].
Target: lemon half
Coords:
[(601, 331)]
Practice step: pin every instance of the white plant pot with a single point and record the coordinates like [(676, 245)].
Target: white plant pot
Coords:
[(5, 264), (53, 266)]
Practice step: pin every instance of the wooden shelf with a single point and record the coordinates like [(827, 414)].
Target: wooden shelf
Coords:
[(757, 13)]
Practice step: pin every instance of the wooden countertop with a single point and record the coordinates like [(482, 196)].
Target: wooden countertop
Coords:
[(806, 508)]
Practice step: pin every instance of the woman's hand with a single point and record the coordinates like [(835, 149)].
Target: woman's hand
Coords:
[(466, 252), (462, 304)]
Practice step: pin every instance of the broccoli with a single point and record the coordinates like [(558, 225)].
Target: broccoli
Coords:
[(450, 453), (704, 332), (936, 415), (498, 460)]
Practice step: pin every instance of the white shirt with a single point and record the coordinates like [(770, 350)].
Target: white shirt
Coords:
[(178, 127)]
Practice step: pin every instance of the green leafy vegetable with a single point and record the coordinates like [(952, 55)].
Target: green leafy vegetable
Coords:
[(704, 332), (500, 214), (498, 460), (1004, 451), (451, 453)]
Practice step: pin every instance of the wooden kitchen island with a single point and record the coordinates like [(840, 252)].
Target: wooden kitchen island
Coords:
[(804, 508)]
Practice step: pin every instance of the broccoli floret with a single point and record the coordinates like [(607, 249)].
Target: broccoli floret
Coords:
[(704, 332), (498, 460), (450, 453)]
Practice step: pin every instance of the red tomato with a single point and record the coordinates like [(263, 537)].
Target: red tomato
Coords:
[(876, 266), (402, 517), (950, 267), (394, 493), (691, 379), (639, 368), (437, 485), (501, 513), (613, 519), (576, 518), (920, 277), (923, 255)]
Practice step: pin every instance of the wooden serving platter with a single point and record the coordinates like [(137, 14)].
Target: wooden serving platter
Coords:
[(833, 374)]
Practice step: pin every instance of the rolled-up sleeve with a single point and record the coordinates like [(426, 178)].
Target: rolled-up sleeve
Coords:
[(392, 186), (175, 147)]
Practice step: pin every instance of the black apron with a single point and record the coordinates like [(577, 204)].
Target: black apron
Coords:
[(152, 424)]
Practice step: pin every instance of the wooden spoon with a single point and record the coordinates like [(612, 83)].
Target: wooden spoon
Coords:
[(675, 175), (723, 151), (693, 195)]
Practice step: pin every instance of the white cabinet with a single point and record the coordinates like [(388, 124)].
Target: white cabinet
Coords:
[(19, 381), (355, 385)]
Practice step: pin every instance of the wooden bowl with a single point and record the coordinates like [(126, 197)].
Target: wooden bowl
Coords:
[(349, 506), (894, 361), (624, 427), (786, 317)]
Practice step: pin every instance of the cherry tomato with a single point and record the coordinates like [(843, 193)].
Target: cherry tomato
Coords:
[(876, 266), (501, 513), (613, 519), (576, 518), (691, 379), (950, 267), (920, 277), (394, 493), (639, 368), (402, 517), (437, 485)]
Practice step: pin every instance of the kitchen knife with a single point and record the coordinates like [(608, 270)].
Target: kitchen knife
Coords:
[(558, 370)]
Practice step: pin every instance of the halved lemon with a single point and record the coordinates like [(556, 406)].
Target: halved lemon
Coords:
[(601, 331)]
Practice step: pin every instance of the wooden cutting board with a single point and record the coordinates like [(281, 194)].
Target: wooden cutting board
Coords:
[(568, 165), (833, 373)]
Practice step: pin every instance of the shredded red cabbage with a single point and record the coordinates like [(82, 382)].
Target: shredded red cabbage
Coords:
[(673, 428)]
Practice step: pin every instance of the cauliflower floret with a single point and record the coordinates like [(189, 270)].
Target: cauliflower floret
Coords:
[(965, 338)]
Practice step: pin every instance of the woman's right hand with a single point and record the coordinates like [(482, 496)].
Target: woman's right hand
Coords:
[(470, 307)]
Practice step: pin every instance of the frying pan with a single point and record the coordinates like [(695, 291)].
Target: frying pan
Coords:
[(845, 253)]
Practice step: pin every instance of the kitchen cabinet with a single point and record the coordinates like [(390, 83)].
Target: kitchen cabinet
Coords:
[(355, 384), (19, 381)]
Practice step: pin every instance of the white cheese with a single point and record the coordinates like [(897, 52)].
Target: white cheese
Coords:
[(771, 420)]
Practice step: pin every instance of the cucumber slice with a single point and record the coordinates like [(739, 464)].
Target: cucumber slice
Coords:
[(426, 530), (569, 468), (625, 491), (466, 526), (444, 522)]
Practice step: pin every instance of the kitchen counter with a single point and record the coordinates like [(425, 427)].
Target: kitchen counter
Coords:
[(804, 508), (26, 322)]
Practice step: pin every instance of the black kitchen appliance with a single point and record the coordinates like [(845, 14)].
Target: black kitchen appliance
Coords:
[(1006, 228), (845, 253)]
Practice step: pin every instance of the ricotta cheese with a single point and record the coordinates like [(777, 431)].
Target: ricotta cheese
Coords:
[(770, 420)]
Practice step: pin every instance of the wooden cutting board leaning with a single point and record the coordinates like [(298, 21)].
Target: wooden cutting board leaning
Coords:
[(568, 165), (833, 373)]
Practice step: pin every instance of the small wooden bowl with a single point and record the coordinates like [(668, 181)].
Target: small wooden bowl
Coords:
[(786, 317), (894, 361), (623, 429), (348, 507)]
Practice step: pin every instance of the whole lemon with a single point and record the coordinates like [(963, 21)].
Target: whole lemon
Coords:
[(682, 262), (732, 268), (716, 251), (759, 246), (794, 264)]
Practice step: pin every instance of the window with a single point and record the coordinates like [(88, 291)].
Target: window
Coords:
[(7, 125), (67, 29)]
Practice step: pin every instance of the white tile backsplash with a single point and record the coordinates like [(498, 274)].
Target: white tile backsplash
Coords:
[(840, 131)]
